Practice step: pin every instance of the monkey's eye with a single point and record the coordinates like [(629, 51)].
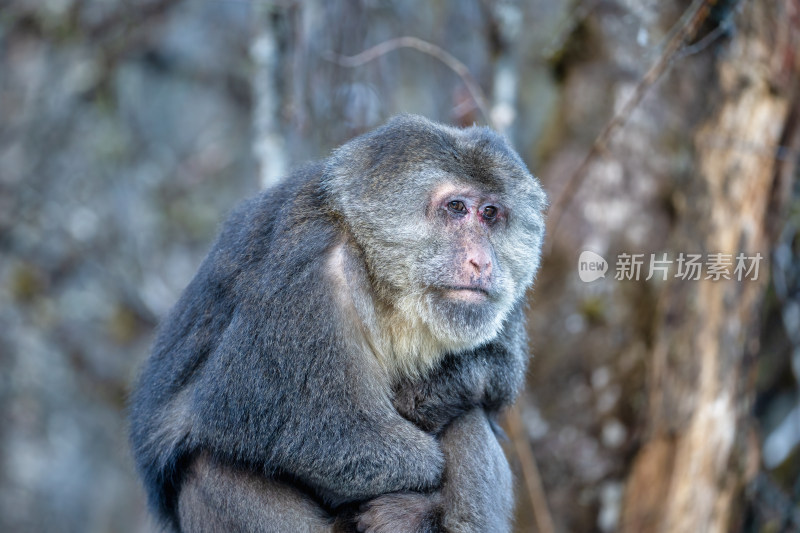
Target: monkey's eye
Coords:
[(457, 206), (489, 212)]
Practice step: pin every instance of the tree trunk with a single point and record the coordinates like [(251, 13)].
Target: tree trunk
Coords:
[(689, 474)]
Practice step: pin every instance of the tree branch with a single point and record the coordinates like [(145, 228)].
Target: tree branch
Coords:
[(425, 47), (688, 26)]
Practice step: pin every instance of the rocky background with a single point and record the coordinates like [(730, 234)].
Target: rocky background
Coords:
[(128, 130)]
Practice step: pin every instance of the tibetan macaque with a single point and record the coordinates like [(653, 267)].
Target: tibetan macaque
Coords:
[(337, 361)]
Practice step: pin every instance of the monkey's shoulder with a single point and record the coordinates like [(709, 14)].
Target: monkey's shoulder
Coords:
[(281, 219)]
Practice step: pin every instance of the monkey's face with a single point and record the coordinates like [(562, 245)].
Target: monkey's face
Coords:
[(477, 263), (465, 287), (463, 219), (450, 223)]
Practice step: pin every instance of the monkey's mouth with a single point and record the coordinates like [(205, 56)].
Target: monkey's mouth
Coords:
[(468, 293)]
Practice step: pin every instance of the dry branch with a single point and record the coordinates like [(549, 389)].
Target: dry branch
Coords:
[(687, 27), (427, 48)]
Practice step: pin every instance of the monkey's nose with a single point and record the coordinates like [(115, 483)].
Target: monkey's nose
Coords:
[(481, 264)]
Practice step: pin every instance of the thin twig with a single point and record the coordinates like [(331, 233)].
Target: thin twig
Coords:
[(427, 48), (530, 471), (689, 24), (705, 42)]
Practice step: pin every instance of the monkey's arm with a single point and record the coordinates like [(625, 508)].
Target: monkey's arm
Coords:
[(478, 489), (217, 497), (309, 416), (490, 377), (476, 493)]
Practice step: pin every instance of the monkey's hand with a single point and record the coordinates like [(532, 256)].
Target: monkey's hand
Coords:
[(401, 511)]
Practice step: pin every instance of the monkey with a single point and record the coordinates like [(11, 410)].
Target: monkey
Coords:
[(339, 359)]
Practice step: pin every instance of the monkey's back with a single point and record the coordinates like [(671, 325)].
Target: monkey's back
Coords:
[(226, 373)]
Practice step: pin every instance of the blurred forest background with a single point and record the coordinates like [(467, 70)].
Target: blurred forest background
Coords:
[(128, 129)]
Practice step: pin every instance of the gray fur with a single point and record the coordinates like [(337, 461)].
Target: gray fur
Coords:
[(219, 498), (476, 494), (318, 357)]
